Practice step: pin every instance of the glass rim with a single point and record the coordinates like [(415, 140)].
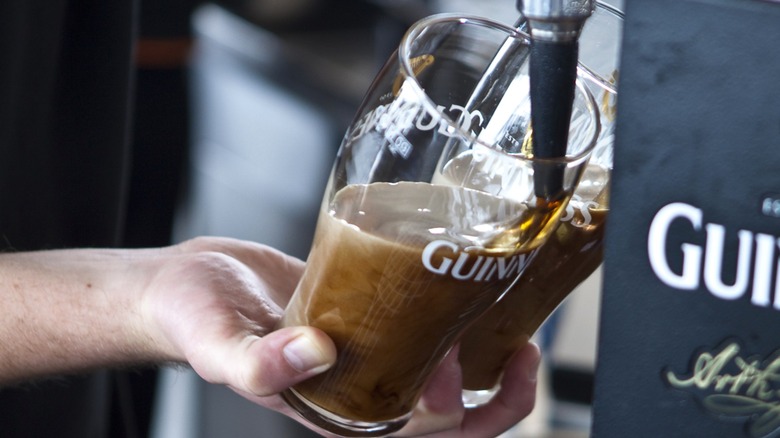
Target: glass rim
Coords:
[(466, 19), (610, 87), (614, 10)]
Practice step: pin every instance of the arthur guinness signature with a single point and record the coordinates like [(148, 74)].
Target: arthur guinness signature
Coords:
[(736, 387)]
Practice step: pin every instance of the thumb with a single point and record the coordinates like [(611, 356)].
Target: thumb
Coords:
[(270, 364)]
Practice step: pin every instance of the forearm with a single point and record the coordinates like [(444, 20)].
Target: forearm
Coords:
[(210, 303), (71, 310)]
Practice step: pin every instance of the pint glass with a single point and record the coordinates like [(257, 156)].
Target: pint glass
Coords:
[(429, 215), (574, 250)]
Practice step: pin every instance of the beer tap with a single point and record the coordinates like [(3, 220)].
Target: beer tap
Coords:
[(555, 27)]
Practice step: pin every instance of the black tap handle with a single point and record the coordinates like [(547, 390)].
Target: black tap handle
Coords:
[(553, 73)]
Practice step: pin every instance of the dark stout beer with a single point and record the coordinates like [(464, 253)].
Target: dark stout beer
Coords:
[(572, 253), (396, 272)]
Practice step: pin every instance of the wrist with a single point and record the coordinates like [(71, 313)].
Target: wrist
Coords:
[(69, 311)]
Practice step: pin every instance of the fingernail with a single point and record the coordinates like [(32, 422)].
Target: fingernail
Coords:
[(305, 356), (533, 372)]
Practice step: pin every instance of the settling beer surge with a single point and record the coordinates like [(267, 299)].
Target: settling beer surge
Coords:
[(573, 252), (396, 272)]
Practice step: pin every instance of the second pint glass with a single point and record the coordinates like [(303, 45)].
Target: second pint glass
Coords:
[(574, 250), (429, 216)]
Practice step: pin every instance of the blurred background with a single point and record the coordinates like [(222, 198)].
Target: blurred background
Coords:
[(240, 108)]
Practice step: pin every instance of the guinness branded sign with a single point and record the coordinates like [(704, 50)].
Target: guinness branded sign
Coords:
[(689, 339)]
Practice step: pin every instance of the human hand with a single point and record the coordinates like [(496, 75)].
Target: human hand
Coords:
[(441, 414), (212, 303), (217, 303)]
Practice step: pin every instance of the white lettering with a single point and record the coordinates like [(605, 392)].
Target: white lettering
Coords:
[(505, 268), (713, 263), (483, 268), (763, 261), (435, 119), (762, 272), (656, 247), (431, 249), (466, 118), (771, 206), (463, 258), (569, 212), (399, 116), (576, 203), (777, 283)]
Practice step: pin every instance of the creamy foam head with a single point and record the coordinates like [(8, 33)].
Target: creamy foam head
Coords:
[(390, 210)]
